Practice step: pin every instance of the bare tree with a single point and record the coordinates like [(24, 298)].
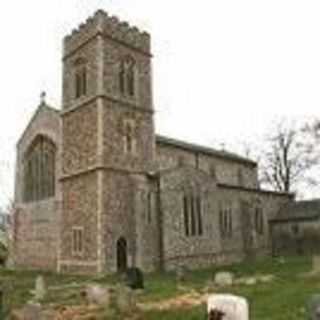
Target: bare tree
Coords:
[(290, 155)]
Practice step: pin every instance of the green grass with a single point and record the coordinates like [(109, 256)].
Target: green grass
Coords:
[(282, 299)]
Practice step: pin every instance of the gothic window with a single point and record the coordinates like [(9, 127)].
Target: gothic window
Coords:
[(80, 78), (127, 81), (230, 227), (129, 137), (259, 223), (225, 220), (130, 78), (221, 215), (186, 215), (122, 75), (199, 213), (77, 240), (192, 214), (39, 170)]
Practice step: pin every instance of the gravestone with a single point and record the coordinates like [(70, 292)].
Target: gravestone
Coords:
[(313, 307), (40, 289), (95, 294), (181, 274), (31, 311), (125, 299), (223, 279), (227, 307), (134, 278), (316, 263)]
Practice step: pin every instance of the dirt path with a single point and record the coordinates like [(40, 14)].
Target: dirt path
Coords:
[(186, 300)]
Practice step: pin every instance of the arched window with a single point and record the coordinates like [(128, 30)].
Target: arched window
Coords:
[(225, 219), (186, 215), (259, 221), (199, 214), (122, 75), (127, 81), (80, 81), (39, 170), (192, 214), (130, 78)]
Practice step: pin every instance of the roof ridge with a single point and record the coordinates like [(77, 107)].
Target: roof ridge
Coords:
[(204, 149)]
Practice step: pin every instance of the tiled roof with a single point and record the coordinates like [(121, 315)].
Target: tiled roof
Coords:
[(205, 150)]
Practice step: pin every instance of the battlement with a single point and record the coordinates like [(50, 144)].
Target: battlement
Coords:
[(109, 26)]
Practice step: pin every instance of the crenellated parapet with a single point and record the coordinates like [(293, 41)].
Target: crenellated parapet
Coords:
[(108, 26)]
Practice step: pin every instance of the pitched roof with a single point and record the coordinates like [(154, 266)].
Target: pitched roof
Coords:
[(205, 150), (299, 210), (255, 190), (41, 107)]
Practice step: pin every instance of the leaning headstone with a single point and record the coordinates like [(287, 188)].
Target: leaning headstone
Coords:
[(313, 307), (223, 279), (40, 289), (227, 307), (125, 299), (134, 278)]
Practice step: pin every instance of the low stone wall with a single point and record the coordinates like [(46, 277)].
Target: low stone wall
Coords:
[(202, 261)]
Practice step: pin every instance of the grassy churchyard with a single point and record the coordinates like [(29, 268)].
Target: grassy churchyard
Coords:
[(282, 294)]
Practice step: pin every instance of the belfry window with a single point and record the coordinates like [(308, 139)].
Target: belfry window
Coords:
[(127, 81), (130, 78), (80, 81), (39, 170), (122, 74)]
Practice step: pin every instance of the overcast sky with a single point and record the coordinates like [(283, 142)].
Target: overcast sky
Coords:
[(223, 70)]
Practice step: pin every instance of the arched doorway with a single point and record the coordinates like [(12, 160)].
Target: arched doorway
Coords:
[(121, 255)]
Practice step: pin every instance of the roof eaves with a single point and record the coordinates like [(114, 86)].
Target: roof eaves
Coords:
[(203, 149)]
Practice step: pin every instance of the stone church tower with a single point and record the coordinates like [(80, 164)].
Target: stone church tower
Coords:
[(108, 148), (98, 191)]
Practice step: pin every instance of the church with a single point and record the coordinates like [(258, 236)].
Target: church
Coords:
[(97, 190)]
